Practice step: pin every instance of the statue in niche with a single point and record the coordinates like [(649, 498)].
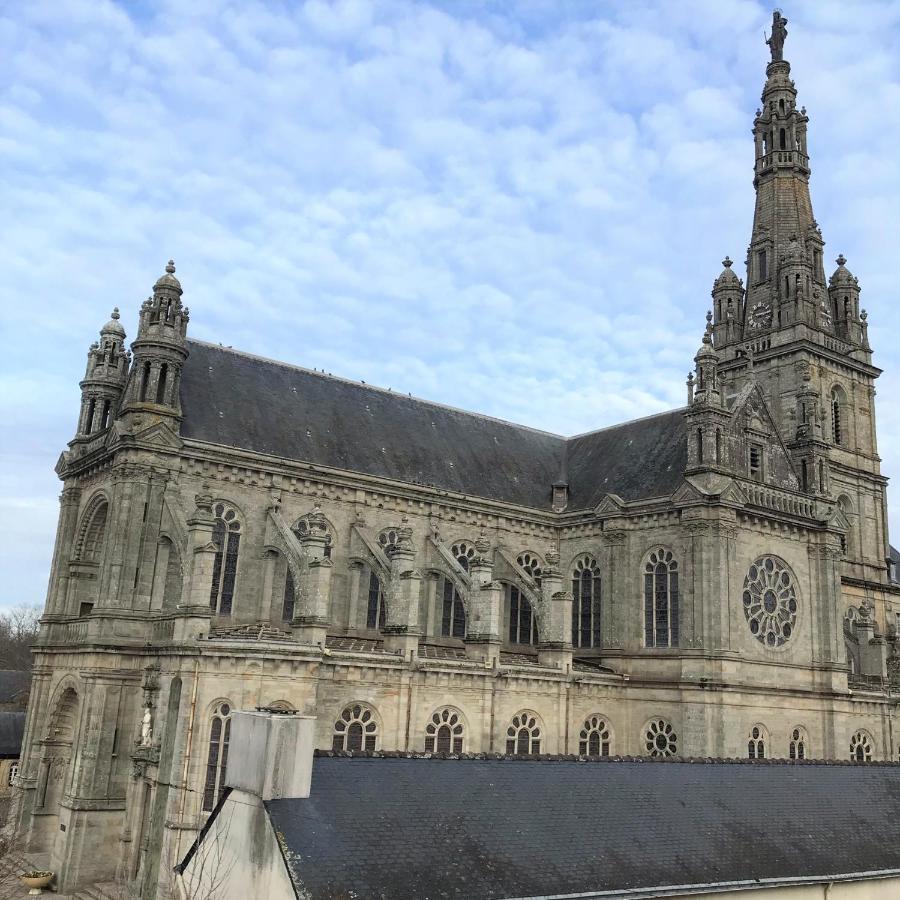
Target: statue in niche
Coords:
[(147, 728)]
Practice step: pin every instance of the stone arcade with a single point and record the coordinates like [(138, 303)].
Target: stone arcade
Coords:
[(235, 532)]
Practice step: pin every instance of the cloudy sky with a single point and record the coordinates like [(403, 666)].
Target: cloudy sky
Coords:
[(513, 207)]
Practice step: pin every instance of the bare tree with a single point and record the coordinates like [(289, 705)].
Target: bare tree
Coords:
[(18, 631)]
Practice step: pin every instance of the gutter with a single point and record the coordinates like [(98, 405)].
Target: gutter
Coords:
[(721, 887)]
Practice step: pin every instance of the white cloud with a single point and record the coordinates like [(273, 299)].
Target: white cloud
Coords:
[(513, 208)]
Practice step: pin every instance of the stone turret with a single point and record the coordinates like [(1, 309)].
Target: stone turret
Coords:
[(728, 297), (104, 380), (706, 415), (843, 293), (160, 350)]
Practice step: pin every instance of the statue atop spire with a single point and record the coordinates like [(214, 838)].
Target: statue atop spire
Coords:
[(779, 33)]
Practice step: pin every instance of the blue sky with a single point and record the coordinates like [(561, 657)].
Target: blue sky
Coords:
[(512, 207)]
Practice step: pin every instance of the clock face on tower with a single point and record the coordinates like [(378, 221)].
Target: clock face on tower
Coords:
[(761, 315)]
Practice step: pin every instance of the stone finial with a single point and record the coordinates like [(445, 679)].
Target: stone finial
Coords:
[(482, 544), (841, 260), (204, 499), (115, 313), (552, 557), (170, 266), (727, 262), (863, 315)]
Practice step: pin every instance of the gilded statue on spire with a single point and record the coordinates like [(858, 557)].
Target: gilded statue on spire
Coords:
[(779, 33)]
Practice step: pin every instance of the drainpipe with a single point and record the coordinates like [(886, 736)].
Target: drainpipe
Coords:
[(187, 759)]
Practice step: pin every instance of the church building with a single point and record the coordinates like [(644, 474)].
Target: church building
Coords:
[(239, 533)]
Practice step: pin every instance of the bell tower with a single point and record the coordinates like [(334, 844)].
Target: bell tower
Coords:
[(801, 337)]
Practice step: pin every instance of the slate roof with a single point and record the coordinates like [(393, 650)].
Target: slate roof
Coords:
[(12, 727), (481, 828), (238, 400)]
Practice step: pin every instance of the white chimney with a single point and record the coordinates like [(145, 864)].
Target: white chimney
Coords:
[(270, 753)]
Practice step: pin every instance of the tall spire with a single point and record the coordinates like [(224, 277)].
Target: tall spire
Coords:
[(785, 272)]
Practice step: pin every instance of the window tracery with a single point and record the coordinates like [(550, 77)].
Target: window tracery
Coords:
[(660, 738), (661, 599), (522, 625), (798, 744), (770, 601), (756, 743), (355, 729), (523, 735), (444, 733), (453, 614), (95, 533), (375, 613), (227, 538), (531, 564), (594, 738), (388, 540), (289, 601), (861, 747), (463, 552), (217, 755), (586, 602)]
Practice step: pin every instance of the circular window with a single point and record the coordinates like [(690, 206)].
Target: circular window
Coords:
[(660, 738), (770, 601)]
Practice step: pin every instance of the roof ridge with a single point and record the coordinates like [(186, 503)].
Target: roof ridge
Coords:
[(665, 412), (571, 757), (373, 387)]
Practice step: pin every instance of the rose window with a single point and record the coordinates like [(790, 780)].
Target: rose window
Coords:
[(661, 739), (770, 602)]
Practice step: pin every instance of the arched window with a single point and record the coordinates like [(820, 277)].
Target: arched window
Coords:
[(861, 747), (522, 626), (161, 383), (375, 615), (227, 538), (718, 445), (699, 445), (594, 738), (356, 729), (453, 618), (104, 415), (798, 744), (661, 599), (660, 738), (145, 381), (782, 139), (756, 743), (464, 553), (586, 603), (95, 534), (289, 600), (531, 564), (89, 421), (444, 733), (523, 735), (217, 757), (837, 416), (388, 540)]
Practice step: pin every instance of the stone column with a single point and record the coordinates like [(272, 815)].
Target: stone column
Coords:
[(555, 638), (402, 630), (356, 570), (615, 608), (483, 625), (194, 615), (311, 616)]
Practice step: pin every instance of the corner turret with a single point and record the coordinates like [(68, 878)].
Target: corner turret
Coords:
[(728, 298), (843, 294), (160, 350), (104, 381)]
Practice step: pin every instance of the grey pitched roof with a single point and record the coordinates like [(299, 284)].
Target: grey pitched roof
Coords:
[(12, 727), (238, 400), (493, 828), (13, 684), (894, 555)]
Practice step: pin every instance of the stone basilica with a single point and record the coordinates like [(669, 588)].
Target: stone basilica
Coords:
[(234, 532)]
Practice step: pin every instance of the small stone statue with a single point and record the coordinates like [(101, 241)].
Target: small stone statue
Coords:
[(779, 33), (147, 728)]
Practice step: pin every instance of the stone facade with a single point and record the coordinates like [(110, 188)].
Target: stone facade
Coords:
[(727, 579)]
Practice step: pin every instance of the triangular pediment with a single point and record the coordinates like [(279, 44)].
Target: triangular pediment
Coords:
[(610, 505), (159, 435), (837, 519), (710, 484), (62, 463)]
